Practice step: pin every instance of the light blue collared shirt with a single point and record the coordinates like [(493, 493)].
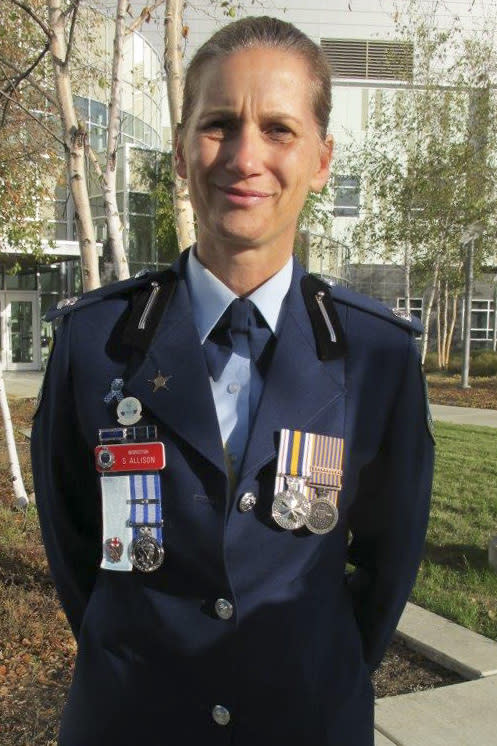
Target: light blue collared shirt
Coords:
[(238, 390)]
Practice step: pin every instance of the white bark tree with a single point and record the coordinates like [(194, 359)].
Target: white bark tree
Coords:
[(173, 63), (60, 29), (21, 499), (74, 135), (108, 177)]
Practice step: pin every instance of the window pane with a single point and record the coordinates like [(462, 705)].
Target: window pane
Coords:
[(21, 331), (347, 192), (98, 138), (98, 112), (82, 105), (140, 203), (127, 123), (21, 281), (61, 231), (140, 240), (49, 281)]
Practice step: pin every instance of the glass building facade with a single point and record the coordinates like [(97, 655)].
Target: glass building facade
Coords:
[(27, 295)]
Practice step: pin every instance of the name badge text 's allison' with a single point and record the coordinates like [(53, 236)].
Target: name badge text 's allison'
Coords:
[(122, 457)]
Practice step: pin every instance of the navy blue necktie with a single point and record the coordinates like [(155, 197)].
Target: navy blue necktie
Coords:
[(241, 317)]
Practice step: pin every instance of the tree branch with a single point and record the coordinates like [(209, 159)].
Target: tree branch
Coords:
[(12, 85), (75, 5), (70, 7), (32, 82), (144, 15), (32, 116), (96, 165), (24, 6)]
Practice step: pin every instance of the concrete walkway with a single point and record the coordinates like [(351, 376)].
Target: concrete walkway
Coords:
[(23, 384), (464, 416), (457, 715)]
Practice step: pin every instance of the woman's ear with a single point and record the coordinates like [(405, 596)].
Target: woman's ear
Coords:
[(322, 173), (179, 155)]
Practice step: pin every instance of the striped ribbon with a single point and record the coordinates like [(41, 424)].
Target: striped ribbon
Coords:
[(121, 508), (146, 487), (316, 458)]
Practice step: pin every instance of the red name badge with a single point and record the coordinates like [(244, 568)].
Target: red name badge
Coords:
[(130, 457)]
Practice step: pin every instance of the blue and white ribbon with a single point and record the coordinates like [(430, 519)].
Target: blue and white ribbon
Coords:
[(126, 509), (145, 487)]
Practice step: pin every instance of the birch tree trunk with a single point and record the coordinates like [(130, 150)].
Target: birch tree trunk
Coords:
[(21, 499), (114, 225), (445, 322), (407, 278), (452, 326), (439, 349), (427, 318), (75, 138), (173, 63)]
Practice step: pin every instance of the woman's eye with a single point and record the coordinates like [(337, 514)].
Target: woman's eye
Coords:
[(218, 126), (279, 132)]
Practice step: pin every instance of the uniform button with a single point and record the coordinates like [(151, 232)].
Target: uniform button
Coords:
[(247, 502), (234, 388), (221, 715), (224, 609)]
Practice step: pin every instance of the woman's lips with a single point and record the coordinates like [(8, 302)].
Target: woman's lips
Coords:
[(244, 197)]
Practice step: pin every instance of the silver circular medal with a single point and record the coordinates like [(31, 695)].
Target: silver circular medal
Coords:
[(290, 509), (129, 411), (146, 553), (322, 517)]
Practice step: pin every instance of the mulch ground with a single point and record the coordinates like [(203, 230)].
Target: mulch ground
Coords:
[(447, 390), (36, 647)]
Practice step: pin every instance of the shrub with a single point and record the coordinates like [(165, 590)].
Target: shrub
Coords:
[(431, 362), (482, 363)]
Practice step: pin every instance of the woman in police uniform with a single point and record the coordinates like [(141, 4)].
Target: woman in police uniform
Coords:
[(214, 443)]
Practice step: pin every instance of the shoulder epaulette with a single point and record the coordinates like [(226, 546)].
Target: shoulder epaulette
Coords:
[(370, 305), (114, 289)]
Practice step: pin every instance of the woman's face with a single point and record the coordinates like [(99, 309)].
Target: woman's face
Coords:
[(251, 150)]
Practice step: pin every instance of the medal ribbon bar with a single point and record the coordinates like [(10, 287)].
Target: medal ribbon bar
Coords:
[(146, 507), (326, 461), (316, 459), (292, 459)]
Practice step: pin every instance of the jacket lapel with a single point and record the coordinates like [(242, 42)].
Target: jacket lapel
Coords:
[(185, 404), (298, 386)]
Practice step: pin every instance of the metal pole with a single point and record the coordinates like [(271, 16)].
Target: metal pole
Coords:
[(494, 340), (468, 302)]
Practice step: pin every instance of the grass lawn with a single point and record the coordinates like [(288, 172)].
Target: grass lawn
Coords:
[(455, 580)]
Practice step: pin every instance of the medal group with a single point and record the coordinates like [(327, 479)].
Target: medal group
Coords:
[(129, 460), (308, 481)]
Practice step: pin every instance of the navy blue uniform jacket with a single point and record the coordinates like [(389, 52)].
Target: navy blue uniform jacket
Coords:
[(293, 663)]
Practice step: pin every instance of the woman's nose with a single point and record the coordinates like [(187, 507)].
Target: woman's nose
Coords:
[(245, 152)]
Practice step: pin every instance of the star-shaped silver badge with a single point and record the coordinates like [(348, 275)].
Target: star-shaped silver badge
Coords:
[(160, 381)]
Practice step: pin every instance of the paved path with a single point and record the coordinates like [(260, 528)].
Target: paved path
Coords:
[(23, 384), (464, 416), (457, 715)]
